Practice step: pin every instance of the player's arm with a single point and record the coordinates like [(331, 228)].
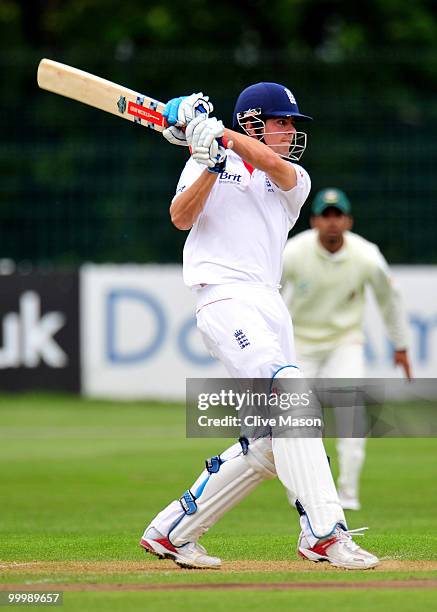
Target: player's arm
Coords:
[(392, 309), (209, 151), (183, 114), (260, 156), (188, 205), (202, 136)]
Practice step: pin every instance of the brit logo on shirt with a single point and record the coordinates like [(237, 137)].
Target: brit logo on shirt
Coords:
[(269, 185), (227, 177), (241, 338)]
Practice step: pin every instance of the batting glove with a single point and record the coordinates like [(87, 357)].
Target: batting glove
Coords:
[(193, 106), (201, 134), (170, 111), (207, 147), (175, 136), (217, 156), (179, 112)]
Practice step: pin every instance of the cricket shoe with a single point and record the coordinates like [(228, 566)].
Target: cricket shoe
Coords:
[(191, 555), (339, 550)]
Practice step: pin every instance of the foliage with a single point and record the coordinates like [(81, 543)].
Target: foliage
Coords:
[(79, 186), (332, 28)]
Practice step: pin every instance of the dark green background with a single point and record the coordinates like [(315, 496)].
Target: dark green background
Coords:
[(80, 185)]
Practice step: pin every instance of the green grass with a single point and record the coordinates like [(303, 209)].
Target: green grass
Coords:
[(316, 601), (80, 479)]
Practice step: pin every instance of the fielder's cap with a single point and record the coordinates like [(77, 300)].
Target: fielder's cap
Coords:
[(331, 197)]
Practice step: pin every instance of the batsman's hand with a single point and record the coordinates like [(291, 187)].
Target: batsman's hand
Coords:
[(175, 136), (205, 139), (179, 112)]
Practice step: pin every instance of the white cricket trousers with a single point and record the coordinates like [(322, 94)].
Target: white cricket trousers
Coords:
[(344, 361), (248, 328)]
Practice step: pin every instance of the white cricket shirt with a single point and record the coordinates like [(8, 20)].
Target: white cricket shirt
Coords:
[(327, 296), (241, 233)]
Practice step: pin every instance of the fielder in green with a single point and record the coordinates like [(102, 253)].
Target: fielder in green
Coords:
[(326, 271)]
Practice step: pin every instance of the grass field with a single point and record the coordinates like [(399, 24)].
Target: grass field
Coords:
[(79, 480)]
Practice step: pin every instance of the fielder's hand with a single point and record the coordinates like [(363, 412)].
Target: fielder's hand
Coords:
[(179, 112), (207, 148), (401, 359)]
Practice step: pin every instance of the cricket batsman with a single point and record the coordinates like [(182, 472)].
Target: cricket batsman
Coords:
[(239, 205), (326, 272)]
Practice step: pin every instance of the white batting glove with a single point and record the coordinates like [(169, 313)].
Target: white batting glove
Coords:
[(205, 147), (193, 106), (214, 159), (180, 111), (175, 136), (200, 134)]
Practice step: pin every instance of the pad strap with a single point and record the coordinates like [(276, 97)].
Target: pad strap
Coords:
[(188, 503), (213, 464)]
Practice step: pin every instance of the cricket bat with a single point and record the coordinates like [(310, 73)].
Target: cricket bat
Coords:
[(100, 93)]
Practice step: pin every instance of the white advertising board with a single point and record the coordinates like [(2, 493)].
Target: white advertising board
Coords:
[(139, 338), (138, 335), (418, 286)]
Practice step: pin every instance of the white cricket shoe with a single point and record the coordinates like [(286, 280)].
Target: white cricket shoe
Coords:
[(349, 502), (191, 555), (340, 550)]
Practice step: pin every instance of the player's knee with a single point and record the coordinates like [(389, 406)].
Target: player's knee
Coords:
[(287, 371), (298, 411), (260, 457), (280, 381), (256, 455)]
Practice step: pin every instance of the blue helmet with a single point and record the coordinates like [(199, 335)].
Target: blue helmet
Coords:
[(270, 100)]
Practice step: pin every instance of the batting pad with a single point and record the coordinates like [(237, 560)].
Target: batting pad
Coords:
[(215, 494), (302, 467)]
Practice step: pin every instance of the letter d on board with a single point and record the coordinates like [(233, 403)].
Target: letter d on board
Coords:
[(114, 302)]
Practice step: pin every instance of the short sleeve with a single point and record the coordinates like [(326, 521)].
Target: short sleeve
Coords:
[(189, 175)]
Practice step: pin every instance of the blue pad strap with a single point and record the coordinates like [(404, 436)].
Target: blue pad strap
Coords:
[(213, 464), (188, 503), (244, 444)]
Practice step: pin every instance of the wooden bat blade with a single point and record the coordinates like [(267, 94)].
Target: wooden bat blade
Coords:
[(100, 93)]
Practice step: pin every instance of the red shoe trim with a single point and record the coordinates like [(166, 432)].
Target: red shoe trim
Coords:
[(321, 547), (163, 541), (167, 544), (146, 545)]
